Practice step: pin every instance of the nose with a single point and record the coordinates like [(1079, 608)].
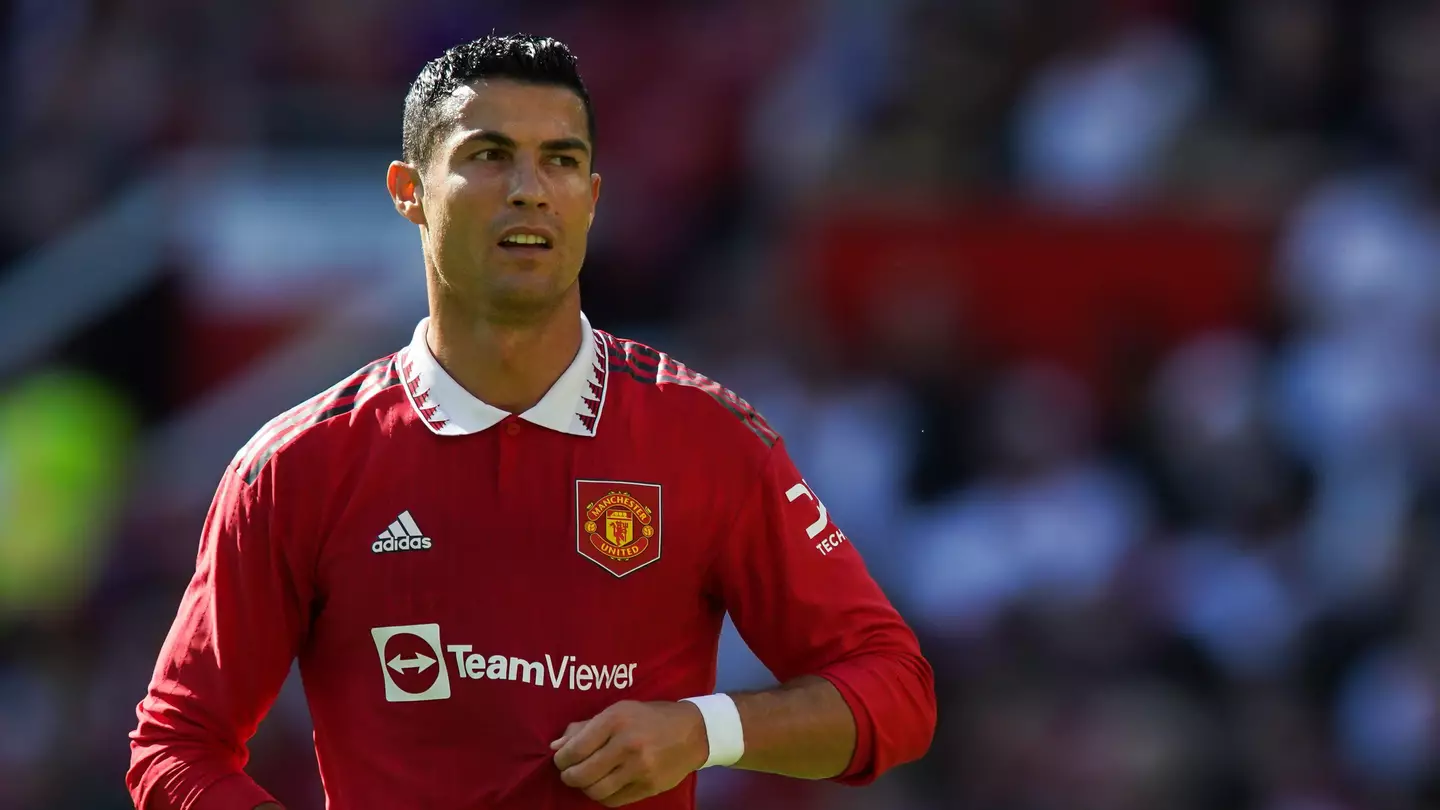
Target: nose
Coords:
[(527, 187)]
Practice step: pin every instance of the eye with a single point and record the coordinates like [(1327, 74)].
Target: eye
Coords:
[(491, 154), (564, 160)]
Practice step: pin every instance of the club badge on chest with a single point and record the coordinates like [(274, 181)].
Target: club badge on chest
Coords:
[(618, 524)]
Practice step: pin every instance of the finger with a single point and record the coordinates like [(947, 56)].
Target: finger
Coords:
[(583, 743), (613, 782), (570, 731), (595, 767), (629, 794)]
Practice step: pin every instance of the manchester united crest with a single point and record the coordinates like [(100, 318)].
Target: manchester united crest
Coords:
[(618, 524)]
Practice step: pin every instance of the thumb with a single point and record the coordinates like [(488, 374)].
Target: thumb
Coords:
[(570, 731)]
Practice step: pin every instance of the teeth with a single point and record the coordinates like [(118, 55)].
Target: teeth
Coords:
[(525, 239)]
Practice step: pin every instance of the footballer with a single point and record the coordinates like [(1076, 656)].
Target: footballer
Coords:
[(502, 555)]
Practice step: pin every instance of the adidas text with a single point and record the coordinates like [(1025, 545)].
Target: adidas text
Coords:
[(403, 544)]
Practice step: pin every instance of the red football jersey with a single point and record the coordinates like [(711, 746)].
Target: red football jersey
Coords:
[(459, 584)]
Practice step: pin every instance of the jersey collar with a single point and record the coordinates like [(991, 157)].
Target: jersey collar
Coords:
[(572, 405)]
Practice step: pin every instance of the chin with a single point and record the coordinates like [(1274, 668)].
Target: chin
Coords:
[(524, 301)]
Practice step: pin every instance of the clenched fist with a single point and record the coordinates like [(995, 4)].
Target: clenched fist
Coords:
[(632, 750)]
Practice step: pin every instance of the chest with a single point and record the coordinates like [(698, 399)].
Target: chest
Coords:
[(521, 538)]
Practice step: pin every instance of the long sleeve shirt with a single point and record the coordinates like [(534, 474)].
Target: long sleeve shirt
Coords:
[(459, 584)]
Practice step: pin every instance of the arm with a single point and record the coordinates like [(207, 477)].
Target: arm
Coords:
[(228, 652), (803, 729), (857, 697), (633, 750)]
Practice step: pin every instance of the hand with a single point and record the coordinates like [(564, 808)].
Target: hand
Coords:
[(632, 751)]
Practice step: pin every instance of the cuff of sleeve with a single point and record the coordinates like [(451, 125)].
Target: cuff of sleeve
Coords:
[(234, 792), (860, 771)]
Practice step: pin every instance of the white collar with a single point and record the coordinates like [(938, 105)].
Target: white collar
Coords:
[(572, 405)]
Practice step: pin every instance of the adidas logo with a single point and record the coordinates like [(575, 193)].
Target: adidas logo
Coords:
[(403, 535)]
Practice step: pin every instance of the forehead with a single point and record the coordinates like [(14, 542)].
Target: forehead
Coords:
[(521, 110)]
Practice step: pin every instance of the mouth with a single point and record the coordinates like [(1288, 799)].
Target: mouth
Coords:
[(522, 241)]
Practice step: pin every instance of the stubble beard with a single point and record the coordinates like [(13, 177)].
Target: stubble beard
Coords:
[(469, 286)]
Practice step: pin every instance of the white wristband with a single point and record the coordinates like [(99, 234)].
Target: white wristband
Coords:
[(722, 729)]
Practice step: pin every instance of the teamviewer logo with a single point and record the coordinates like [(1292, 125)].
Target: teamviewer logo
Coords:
[(412, 662)]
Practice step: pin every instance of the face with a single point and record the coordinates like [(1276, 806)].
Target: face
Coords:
[(506, 200)]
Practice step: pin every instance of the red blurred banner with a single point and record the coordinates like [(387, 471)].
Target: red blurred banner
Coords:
[(1017, 285)]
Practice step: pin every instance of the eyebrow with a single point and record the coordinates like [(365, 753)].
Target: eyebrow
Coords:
[(505, 141)]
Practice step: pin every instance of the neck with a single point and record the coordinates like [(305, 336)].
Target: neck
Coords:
[(509, 366)]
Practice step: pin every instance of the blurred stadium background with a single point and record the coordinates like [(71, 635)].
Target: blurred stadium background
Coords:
[(1108, 328)]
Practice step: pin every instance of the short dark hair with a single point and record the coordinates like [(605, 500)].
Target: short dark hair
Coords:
[(522, 57)]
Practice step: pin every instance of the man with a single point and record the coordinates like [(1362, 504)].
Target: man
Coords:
[(503, 554)]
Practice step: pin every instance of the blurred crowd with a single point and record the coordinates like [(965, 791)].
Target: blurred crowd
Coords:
[(1192, 576)]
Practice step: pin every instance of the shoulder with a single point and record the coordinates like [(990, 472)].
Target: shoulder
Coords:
[(686, 395), (349, 397)]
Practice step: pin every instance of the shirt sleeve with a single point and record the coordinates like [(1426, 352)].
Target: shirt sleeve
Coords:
[(239, 625), (801, 597)]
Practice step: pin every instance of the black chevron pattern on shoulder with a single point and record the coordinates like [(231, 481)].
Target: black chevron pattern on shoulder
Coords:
[(339, 399), (654, 367)]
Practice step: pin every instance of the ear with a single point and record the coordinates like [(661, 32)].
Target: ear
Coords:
[(403, 180), (594, 198)]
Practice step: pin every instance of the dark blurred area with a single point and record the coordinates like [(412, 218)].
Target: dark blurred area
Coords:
[(1108, 330)]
